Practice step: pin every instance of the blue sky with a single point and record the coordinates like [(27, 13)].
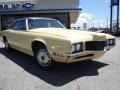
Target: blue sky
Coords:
[(95, 11), (99, 8)]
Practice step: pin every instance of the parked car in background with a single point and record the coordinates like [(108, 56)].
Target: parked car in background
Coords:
[(115, 32), (100, 31), (49, 41)]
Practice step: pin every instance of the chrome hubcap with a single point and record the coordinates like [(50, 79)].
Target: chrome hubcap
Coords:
[(43, 58)]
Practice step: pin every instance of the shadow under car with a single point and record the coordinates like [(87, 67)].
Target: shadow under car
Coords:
[(61, 74)]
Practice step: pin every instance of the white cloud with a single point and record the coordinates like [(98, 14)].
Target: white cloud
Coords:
[(100, 23), (84, 18), (90, 20), (107, 1)]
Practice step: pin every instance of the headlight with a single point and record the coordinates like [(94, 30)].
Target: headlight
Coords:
[(76, 48), (111, 42), (73, 48)]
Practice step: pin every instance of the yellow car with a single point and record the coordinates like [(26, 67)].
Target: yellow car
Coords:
[(49, 41)]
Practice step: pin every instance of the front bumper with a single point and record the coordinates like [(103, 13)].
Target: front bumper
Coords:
[(84, 56), (109, 47), (87, 54)]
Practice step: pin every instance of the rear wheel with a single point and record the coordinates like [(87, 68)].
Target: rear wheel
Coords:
[(7, 47), (44, 59)]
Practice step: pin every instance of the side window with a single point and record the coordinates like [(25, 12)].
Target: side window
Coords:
[(19, 25), (37, 23)]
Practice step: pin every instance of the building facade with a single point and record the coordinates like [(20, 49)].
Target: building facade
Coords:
[(66, 11)]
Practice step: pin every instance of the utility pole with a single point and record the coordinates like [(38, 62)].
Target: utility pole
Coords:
[(114, 3), (118, 16), (111, 15), (93, 24), (107, 23)]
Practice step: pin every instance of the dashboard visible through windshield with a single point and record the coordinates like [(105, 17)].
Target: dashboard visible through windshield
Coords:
[(44, 23)]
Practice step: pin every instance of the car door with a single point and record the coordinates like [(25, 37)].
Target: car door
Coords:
[(20, 37)]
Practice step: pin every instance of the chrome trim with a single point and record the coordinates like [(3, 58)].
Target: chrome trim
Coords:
[(81, 43), (85, 52), (84, 48), (111, 39)]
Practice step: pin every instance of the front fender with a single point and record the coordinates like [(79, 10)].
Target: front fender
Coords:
[(40, 40)]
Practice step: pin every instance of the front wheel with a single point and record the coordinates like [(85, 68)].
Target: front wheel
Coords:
[(44, 59)]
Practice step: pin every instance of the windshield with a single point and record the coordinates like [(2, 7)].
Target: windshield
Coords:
[(44, 23)]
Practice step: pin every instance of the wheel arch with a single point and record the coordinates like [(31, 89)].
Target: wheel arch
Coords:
[(38, 42), (4, 38), (36, 45)]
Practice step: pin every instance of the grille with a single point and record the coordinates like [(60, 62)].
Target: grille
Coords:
[(95, 45)]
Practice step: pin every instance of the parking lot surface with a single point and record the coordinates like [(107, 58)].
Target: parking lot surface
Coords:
[(19, 71)]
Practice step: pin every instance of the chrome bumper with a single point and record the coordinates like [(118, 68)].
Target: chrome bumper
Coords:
[(71, 55)]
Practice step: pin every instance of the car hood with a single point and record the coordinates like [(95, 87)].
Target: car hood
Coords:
[(72, 35)]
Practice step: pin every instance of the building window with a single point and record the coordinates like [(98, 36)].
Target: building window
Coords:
[(9, 6), (13, 6), (5, 6), (1, 6), (17, 6)]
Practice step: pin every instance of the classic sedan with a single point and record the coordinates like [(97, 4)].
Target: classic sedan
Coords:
[(49, 41)]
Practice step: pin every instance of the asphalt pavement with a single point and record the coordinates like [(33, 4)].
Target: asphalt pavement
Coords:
[(19, 71)]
